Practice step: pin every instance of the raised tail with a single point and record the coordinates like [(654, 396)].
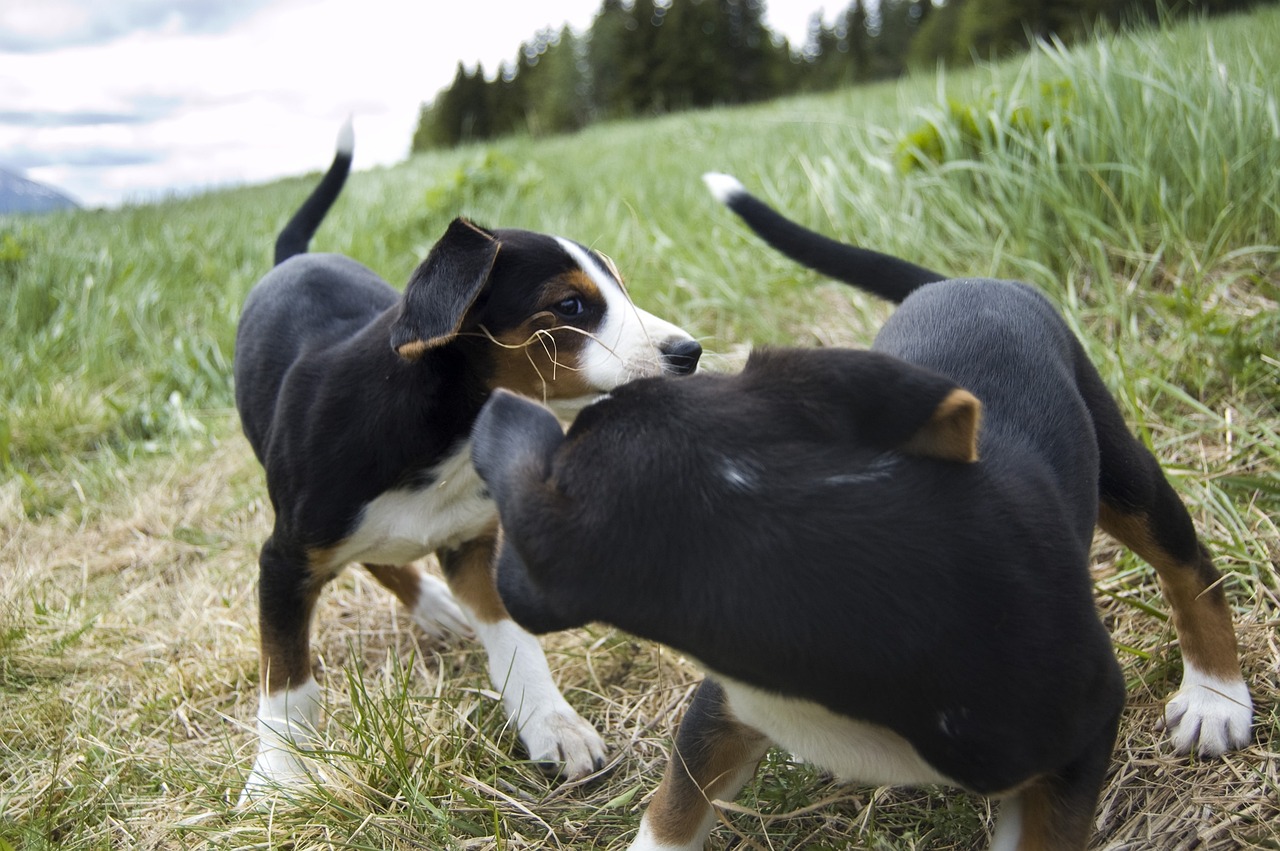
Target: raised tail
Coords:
[(879, 274), (296, 235)]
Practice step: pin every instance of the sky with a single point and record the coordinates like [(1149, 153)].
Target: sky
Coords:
[(123, 101)]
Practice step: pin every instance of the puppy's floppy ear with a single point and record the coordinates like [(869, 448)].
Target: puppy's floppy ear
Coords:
[(906, 406), (882, 400), (951, 433), (443, 288), (511, 442), (536, 609), (511, 447)]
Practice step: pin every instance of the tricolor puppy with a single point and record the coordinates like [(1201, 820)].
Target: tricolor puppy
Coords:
[(359, 403), (880, 558)]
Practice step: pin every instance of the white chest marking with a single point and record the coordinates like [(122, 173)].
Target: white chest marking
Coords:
[(852, 750), (403, 525)]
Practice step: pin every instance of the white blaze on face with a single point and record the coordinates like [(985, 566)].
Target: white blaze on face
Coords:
[(630, 341)]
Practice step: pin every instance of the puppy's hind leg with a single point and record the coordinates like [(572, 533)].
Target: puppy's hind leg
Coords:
[(553, 734), (1212, 711), (713, 758), (1055, 812), (428, 599)]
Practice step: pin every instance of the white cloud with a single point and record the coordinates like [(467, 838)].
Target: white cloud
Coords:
[(32, 26), (260, 97)]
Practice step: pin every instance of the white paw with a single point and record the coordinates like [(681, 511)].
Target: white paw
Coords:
[(437, 612), (563, 740), (276, 771), (286, 725), (1208, 715), (551, 732)]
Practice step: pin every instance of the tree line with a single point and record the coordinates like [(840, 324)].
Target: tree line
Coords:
[(646, 57)]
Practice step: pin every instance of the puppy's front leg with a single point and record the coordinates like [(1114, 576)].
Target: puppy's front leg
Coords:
[(551, 731), (713, 758), (289, 705)]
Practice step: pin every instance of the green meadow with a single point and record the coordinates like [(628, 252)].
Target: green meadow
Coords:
[(1135, 180)]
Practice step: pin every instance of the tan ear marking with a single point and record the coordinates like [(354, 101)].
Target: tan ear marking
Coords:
[(413, 350), (475, 227), (951, 434)]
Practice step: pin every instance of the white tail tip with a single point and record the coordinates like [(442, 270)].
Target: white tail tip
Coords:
[(724, 187), (346, 138)]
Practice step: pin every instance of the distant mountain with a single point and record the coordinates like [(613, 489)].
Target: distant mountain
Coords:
[(19, 195)]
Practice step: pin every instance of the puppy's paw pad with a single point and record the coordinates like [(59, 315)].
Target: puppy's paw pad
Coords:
[(437, 613), (1209, 717), (564, 743)]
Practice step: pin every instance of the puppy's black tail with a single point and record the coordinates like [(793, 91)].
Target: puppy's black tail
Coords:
[(879, 274), (296, 235)]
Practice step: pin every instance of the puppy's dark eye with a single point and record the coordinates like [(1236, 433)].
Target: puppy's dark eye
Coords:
[(570, 307)]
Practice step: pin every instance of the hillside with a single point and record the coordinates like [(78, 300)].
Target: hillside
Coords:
[(1132, 180), (20, 195)]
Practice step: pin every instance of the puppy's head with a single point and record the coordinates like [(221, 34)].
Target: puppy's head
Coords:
[(666, 481), (551, 316)]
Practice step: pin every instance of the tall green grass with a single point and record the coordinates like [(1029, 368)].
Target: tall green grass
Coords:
[(1134, 180), (1148, 191)]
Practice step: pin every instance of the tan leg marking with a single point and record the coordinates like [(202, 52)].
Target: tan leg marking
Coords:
[(711, 761), (469, 570), (403, 580), (1050, 823), (1194, 592)]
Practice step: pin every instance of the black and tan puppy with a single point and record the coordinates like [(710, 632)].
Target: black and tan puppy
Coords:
[(880, 557), (359, 403)]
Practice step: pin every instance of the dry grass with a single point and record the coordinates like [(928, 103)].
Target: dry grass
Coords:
[(128, 657), (128, 680)]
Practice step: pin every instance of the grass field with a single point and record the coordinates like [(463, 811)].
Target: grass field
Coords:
[(1133, 180)]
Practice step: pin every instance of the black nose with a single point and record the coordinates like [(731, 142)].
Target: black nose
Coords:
[(681, 358)]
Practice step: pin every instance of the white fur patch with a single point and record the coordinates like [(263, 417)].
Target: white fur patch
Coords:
[(401, 526), (550, 729), (1008, 832), (286, 724), (741, 476), (881, 467), (628, 344), (346, 138), (852, 750), (724, 187), (437, 612), (646, 841), (1208, 714)]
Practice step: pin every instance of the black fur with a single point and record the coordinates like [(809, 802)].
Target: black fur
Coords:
[(297, 234), (812, 528), (349, 391), (889, 277), (747, 521)]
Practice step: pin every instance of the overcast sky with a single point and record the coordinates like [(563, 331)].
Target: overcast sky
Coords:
[(127, 100)]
